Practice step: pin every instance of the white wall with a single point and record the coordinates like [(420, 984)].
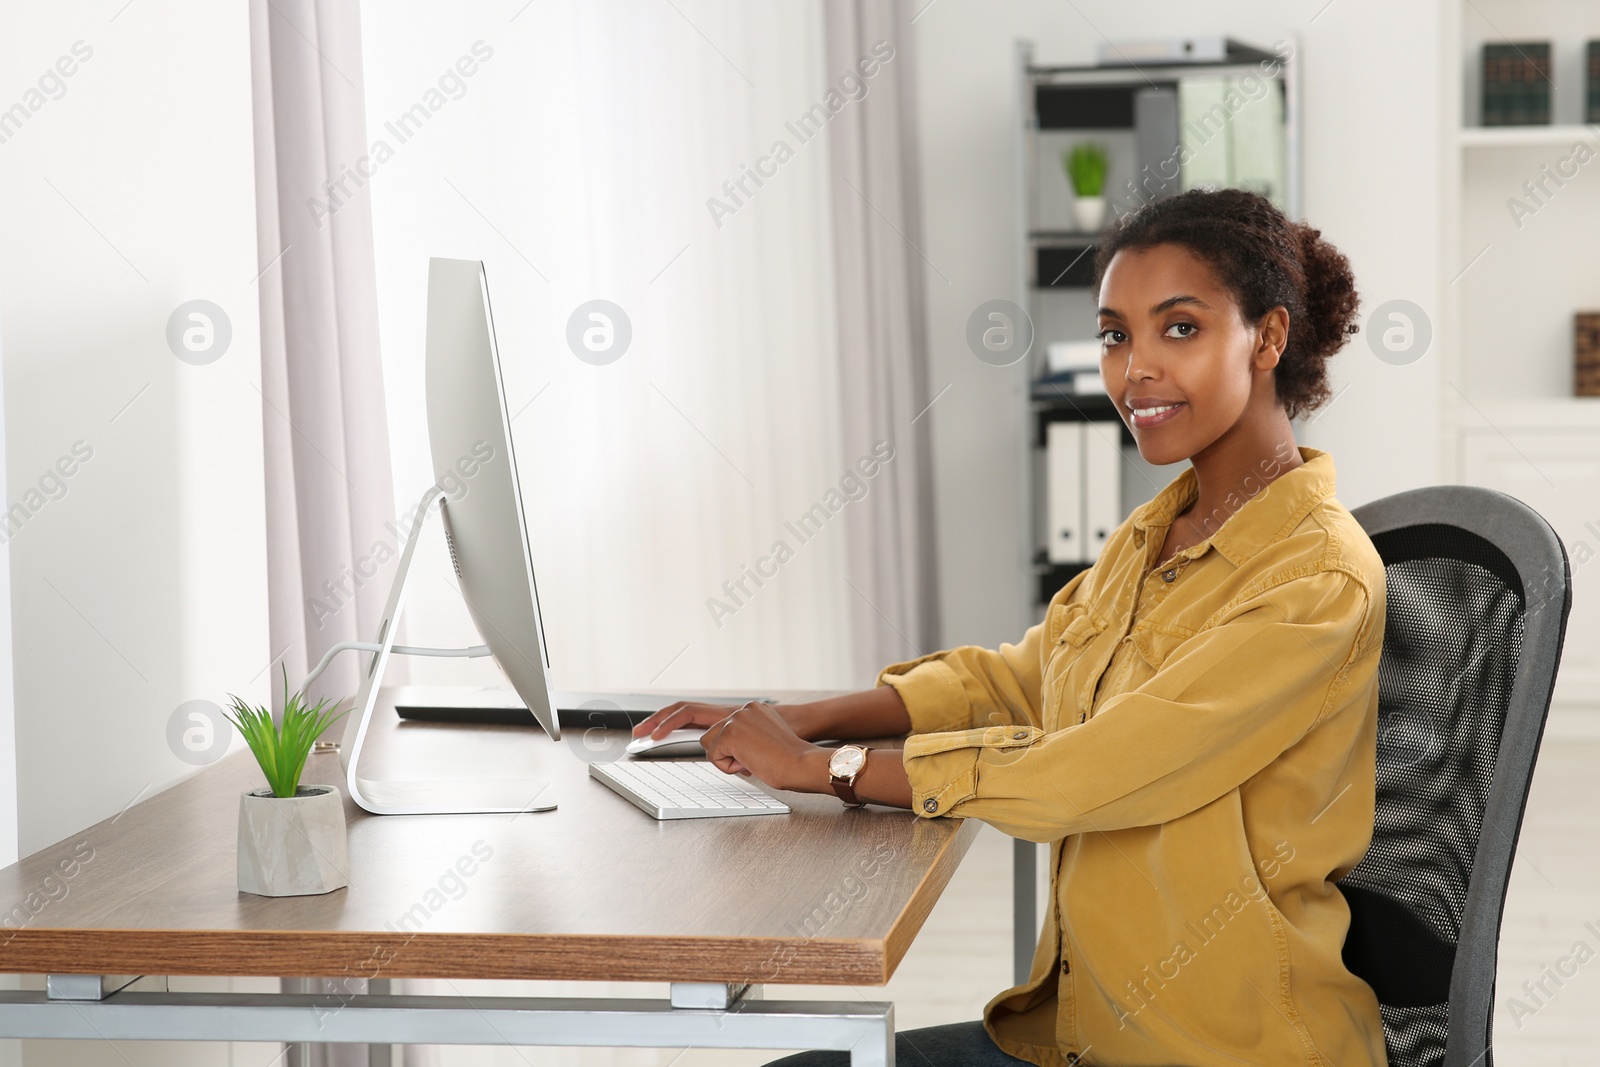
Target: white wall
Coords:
[(128, 190), (1370, 169), (10, 1051), (8, 704), (143, 585)]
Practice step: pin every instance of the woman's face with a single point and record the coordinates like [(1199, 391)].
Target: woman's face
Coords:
[(1175, 338)]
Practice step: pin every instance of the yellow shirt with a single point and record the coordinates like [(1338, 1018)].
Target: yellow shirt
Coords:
[(1198, 743)]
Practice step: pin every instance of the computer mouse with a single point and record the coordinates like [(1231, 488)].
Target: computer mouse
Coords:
[(677, 743)]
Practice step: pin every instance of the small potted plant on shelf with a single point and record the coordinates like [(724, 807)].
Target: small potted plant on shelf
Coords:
[(291, 837), (1086, 164)]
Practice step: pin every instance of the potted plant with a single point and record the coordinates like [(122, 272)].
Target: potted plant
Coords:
[(1086, 164), (291, 837)]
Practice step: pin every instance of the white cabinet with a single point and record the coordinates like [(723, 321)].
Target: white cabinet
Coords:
[(1548, 456)]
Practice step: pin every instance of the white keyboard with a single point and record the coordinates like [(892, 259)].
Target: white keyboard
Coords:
[(685, 789)]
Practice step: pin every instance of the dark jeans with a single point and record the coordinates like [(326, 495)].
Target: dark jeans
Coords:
[(952, 1045)]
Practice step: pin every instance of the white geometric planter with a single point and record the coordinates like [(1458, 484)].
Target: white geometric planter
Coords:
[(1089, 212), (293, 846)]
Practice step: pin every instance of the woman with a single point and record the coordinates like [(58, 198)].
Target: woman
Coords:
[(1193, 724)]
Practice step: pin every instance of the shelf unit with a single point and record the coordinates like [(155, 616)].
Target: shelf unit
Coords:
[(1509, 418), (1508, 287), (1519, 136), (1057, 105)]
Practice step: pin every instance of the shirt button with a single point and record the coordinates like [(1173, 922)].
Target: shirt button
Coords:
[(1169, 575), (1066, 968), (1019, 736), (930, 805)]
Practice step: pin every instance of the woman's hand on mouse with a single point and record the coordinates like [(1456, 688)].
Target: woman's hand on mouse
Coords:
[(688, 714), (754, 738)]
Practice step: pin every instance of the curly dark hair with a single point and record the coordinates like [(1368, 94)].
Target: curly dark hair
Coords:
[(1266, 260)]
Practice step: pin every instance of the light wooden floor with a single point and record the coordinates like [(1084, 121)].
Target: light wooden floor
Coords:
[(961, 958), (1555, 890)]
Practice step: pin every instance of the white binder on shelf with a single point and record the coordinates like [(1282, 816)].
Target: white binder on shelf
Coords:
[(1064, 443), (1102, 484), (1207, 157)]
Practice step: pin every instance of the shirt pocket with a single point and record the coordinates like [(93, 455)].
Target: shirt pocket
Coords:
[(1071, 630), (1156, 643), (1073, 626)]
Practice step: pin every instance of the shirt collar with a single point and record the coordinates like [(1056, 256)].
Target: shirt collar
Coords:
[(1266, 517)]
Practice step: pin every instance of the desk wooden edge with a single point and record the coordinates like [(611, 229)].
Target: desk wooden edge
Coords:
[(571, 957)]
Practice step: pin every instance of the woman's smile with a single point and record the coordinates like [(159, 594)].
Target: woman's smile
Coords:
[(1147, 417)]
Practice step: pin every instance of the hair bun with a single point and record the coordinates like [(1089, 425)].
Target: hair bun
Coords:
[(1331, 300)]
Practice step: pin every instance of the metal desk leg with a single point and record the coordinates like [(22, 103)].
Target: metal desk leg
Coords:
[(1024, 908), (877, 1050), (322, 1054), (380, 1055), (712, 996)]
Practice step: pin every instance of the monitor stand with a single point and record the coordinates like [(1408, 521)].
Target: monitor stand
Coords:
[(422, 797)]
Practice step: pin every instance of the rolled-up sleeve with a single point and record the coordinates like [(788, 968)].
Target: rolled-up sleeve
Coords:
[(1222, 705), (962, 687), (971, 686)]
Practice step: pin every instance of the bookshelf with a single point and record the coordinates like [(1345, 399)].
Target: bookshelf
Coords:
[(1510, 284), (1510, 287), (1058, 106)]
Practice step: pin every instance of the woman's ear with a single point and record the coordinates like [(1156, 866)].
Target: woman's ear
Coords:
[(1272, 337)]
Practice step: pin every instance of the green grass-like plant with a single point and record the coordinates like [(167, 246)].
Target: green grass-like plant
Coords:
[(282, 752), (1086, 164)]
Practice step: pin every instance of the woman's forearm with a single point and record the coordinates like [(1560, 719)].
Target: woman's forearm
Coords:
[(875, 712)]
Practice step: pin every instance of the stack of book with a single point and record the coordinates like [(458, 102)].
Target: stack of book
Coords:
[(1586, 353), (1516, 84), (1592, 98)]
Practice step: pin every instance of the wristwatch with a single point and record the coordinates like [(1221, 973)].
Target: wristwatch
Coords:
[(844, 766)]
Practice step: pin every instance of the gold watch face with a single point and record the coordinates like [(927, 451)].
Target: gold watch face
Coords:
[(846, 762)]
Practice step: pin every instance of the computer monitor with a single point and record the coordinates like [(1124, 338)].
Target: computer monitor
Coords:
[(479, 499), (469, 431)]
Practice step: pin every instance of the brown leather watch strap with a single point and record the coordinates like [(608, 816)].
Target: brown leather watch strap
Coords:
[(847, 793)]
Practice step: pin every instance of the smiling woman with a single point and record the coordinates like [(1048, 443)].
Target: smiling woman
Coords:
[(1192, 726)]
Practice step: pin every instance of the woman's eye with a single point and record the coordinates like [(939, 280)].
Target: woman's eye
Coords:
[(1187, 329), (1111, 337)]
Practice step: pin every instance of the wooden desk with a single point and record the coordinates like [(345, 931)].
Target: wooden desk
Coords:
[(594, 890)]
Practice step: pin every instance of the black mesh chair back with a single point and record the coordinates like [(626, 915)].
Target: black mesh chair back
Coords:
[(1478, 595)]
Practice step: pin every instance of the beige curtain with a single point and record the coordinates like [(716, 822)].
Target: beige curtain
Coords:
[(883, 351), (328, 484)]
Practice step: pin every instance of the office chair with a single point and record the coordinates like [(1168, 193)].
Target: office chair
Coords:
[(1478, 595)]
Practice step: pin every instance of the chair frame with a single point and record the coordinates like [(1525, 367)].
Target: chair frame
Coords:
[(1533, 548)]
